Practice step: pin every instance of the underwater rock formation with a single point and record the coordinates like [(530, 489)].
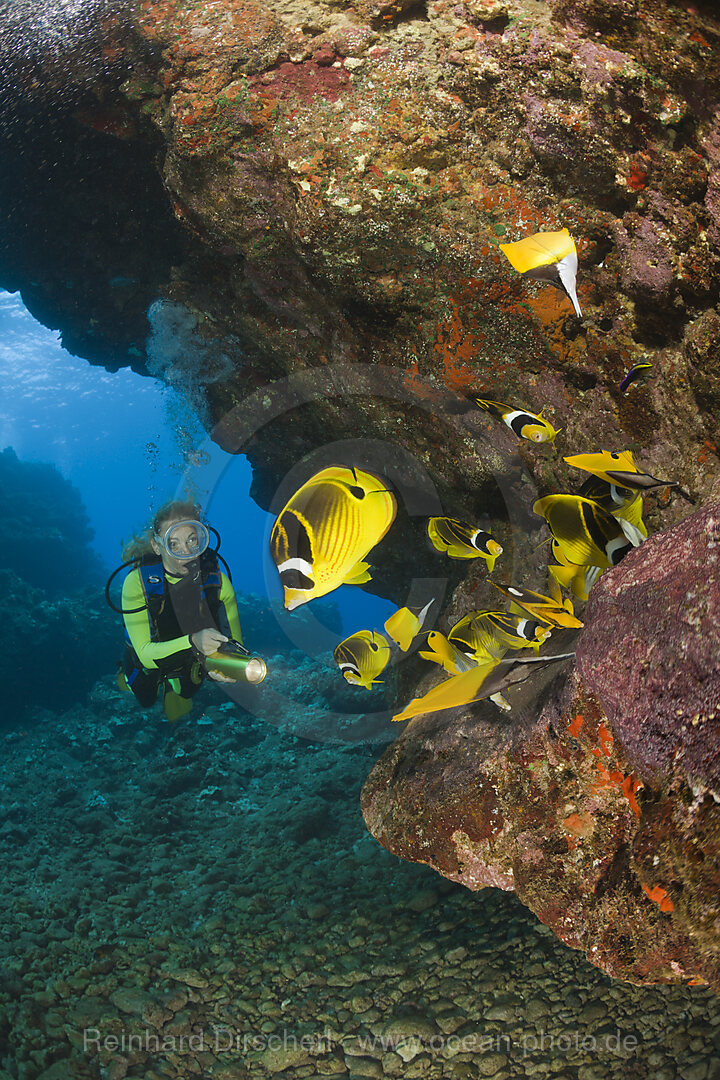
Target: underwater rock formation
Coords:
[(46, 530), (342, 175), (57, 636), (313, 195), (52, 649), (599, 804)]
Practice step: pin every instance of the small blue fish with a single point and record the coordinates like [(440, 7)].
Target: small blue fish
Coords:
[(637, 371)]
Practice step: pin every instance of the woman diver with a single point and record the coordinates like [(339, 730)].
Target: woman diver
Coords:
[(178, 608)]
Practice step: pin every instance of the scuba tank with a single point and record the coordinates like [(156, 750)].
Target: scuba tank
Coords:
[(233, 660)]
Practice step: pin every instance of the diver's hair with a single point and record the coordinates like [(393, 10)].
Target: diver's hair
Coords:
[(140, 544)]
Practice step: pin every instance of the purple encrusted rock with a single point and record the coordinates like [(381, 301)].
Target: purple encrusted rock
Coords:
[(651, 652)]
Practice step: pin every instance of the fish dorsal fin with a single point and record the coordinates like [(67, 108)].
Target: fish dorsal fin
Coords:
[(567, 272)]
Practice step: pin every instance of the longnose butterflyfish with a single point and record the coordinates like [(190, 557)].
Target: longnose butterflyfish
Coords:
[(460, 540), (618, 467), (487, 680), (637, 371), (404, 625), (586, 534), (525, 425), (548, 256), (362, 657), (483, 634), (448, 656), (546, 609), (326, 529), (458, 690), (621, 502)]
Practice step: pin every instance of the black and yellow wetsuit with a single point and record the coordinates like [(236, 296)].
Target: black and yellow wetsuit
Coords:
[(159, 650)]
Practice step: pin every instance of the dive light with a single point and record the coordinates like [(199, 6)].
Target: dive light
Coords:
[(234, 660)]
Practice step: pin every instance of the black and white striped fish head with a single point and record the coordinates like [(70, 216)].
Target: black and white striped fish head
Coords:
[(530, 630), (292, 552)]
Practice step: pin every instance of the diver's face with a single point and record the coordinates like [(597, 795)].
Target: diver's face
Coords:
[(182, 543)]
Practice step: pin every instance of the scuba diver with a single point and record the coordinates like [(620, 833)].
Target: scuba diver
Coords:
[(180, 613)]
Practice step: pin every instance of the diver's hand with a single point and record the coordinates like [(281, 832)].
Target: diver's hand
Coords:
[(207, 641), (218, 676)]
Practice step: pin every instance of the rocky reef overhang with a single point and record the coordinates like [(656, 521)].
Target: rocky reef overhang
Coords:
[(596, 798)]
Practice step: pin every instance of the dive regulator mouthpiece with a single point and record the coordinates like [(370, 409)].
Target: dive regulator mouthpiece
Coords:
[(185, 540), (234, 660)]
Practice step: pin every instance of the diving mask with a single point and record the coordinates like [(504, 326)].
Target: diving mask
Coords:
[(184, 540)]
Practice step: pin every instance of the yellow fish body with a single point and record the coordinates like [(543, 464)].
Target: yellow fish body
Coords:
[(450, 658), (326, 529), (483, 634), (548, 256), (526, 425), (621, 502), (544, 608), (404, 625), (579, 579), (452, 693), (362, 657), (459, 540), (586, 534)]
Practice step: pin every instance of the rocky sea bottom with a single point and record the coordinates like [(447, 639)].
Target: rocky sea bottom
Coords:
[(204, 900)]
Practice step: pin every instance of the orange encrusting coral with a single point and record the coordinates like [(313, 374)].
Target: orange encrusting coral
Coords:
[(606, 778), (660, 897), (579, 825), (456, 346), (575, 725)]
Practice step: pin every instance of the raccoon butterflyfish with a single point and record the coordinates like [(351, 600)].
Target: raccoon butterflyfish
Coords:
[(525, 425), (462, 541), (585, 533), (404, 625), (487, 680), (326, 529), (621, 502), (546, 609), (618, 467), (637, 371), (491, 633), (362, 657), (441, 652), (452, 693), (547, 256)]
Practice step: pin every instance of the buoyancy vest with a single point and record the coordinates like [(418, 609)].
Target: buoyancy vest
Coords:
[(186, 606)]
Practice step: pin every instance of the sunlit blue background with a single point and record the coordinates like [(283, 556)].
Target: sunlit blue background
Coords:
[(129, 443)]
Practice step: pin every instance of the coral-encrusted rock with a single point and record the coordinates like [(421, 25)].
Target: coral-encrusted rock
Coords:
[(603, 820), (650, 653), (342, 175)]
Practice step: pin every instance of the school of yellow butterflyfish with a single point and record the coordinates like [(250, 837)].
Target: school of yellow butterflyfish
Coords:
[(326, 529)]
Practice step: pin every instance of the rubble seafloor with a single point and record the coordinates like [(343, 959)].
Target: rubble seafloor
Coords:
[(203, 899)]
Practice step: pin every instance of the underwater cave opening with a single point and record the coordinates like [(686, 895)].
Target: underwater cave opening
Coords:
[(128, 443)]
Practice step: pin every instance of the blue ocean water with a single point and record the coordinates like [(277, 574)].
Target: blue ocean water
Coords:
[(129, 443)]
